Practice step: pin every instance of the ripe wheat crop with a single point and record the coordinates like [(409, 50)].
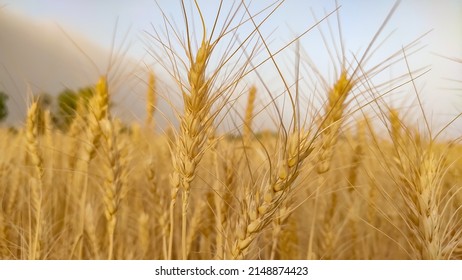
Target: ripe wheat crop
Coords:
[(326, 184)]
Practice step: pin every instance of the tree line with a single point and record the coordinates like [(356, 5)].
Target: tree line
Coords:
[(63, 108)]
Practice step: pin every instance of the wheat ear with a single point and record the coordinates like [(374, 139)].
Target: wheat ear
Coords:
[(421, 179), (260, 212), (249, 114), (192, 137), (151, 98), (114, 183), (332, 120)]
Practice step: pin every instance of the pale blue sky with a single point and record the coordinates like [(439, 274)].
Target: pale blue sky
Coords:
[(360, 20)]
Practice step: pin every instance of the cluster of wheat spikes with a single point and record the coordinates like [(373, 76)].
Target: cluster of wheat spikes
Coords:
[(326, 189)]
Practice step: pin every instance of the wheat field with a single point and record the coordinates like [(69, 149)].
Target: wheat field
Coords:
[(331, 185)]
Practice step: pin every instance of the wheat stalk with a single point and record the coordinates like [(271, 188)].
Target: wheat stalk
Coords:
[(192, 136), (90, 230), (36, 182)]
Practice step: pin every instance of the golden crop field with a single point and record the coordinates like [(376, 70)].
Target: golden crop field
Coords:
[(325, 186)]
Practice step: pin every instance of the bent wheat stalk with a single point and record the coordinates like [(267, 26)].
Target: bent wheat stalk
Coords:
[(261, 212)]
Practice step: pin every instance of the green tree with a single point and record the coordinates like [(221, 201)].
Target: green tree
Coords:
[(68, 103), (3, 106), (86, 93), (67, 106)]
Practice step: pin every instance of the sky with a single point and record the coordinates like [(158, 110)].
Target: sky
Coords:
[(130, 21)]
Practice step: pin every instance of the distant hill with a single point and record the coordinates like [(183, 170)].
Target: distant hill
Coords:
[(42, 57)]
